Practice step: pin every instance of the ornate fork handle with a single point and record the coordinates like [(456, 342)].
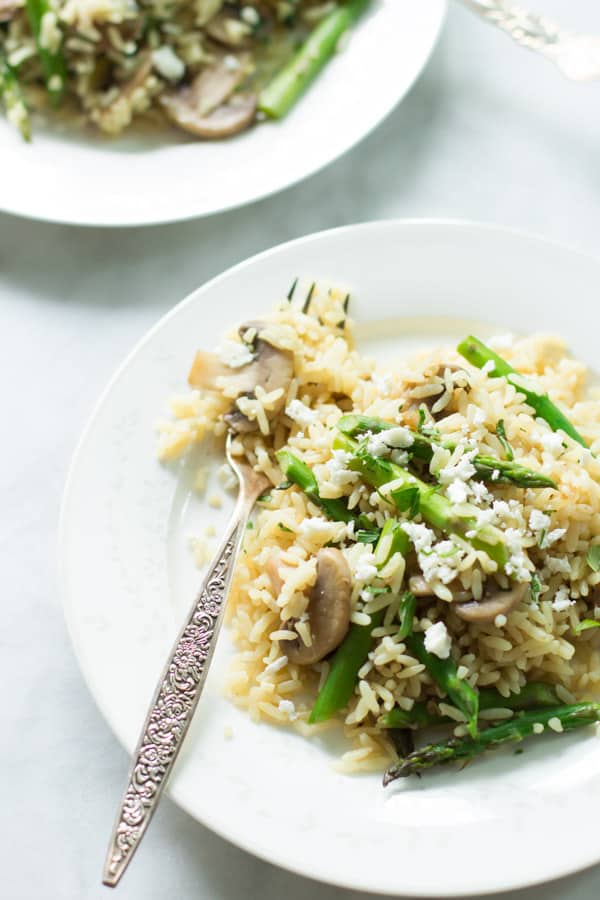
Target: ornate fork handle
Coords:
[(175, 699), (526, 28)]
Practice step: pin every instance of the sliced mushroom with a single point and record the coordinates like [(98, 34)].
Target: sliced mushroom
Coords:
[(272, 368), (328, 610), (208, 106), (498, 603)]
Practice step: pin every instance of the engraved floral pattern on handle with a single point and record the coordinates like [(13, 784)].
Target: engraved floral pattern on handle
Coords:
[(172, 707)]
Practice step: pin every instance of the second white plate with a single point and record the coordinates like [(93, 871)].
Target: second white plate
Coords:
[(84, 179), (505, 822)]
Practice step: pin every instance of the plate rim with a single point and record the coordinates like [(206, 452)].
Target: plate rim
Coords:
[(558, 871), (138, 221)]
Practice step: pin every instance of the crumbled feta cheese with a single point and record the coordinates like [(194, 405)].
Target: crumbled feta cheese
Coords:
[(500, 621), (321, 531), (554, 536), (399, 457), (480, 492), (562, 599), (538, 520), (485, 517), (250, 15), (463, 469), (555, 724), (552, 442), (457, 491), (537, 728), (365, 568), (399, 437), (438, 641), (421, 536), (234, 354), (495, 474), (300, 413), (167, 63), (231, 62), (337, 469), (517, 561)]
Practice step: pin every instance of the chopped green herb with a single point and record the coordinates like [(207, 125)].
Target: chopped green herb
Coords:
[(593, 557), (346, 303), (407, 499), (406, 614), (264, 498), (284, 485), (290, 293), (422, 418), (585, 624), (501, 435), (542, 539), (535, 587), (367, 537), (249, 526), (309, 297), (284, 527), (377, 591)]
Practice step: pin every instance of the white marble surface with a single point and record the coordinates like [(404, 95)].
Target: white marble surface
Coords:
[(491, 133)]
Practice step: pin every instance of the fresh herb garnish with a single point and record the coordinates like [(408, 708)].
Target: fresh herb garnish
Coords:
[(366, 537), (535, 587), (585, 624), (501, 435), (407, 499), (406, 614), (284, 527)]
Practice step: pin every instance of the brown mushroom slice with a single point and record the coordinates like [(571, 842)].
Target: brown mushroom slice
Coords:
[(206, 368), (499, 603), (232, 117), (328, 610), (192, 106)]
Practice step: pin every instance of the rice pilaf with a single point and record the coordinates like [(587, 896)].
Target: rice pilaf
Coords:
[(546, 531)]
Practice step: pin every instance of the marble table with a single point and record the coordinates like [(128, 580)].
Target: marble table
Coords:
[(489, 133)]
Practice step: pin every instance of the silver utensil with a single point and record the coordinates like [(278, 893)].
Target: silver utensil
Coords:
[(576, 55), (180, 685)]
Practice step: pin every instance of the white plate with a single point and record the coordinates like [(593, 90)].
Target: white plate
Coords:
[(91, 180), (508, 820)]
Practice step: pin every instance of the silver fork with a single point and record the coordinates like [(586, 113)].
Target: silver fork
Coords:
[(180, 685), (576, 55)]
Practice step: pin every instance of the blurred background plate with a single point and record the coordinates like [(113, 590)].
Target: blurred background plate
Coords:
[(88, 179)]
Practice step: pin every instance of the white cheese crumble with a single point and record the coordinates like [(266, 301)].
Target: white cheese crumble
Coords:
[(562, 599), (438, 641), (365, 568), (463, 469), (231, 62), (167, 63), (538, 520), (337, 469), (555, 724), (457, 491), (552, 442), (399, 437), (250, 15), (557, 566), (383, 382), (421, 536), (288, 707), (300, 413), (234, 354), (517, 561), (538, 728), (553, 536), (500, 621)]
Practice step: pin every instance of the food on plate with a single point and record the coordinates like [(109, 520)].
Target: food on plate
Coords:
[(211, 67), (429, 553)]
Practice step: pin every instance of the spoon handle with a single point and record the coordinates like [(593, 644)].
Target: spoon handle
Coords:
[(176, 697)]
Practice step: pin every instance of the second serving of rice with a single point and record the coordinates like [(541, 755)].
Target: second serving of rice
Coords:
[(549, 531)]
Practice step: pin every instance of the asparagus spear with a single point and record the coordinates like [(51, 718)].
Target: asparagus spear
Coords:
[(534, 694), (476, 352), (295, 470), (445, 675), (280, 94), (53, 62), (434, 508), (517, 729), (354, 649), (14, 103), (487, 468)]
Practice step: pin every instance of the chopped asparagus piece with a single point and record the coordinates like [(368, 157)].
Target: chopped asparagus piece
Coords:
[(520, 727)]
